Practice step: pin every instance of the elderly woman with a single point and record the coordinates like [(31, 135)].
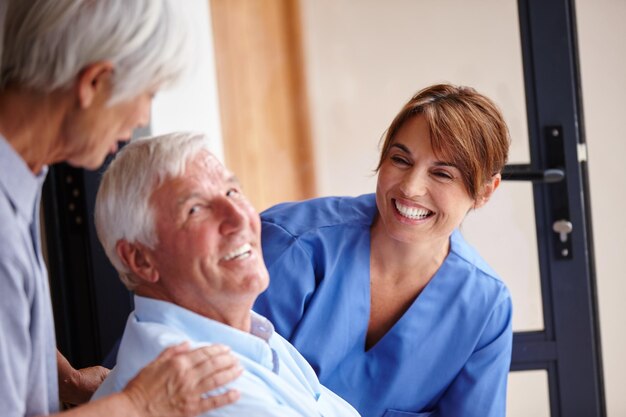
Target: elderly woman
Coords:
[(174, 223), (391, 306), (76, 77)]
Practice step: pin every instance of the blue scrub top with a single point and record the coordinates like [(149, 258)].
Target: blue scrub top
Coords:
[(448, 355)]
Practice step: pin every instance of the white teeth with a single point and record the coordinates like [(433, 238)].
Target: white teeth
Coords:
[(412, 213), (242, 251)]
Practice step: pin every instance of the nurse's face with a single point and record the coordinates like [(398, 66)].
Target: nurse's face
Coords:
[(420, 198)]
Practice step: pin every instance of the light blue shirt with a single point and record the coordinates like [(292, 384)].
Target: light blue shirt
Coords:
[(449, 353), (277, 380), (28, 370)]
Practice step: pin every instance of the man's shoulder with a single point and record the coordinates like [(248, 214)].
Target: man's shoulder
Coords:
[(141, 343)]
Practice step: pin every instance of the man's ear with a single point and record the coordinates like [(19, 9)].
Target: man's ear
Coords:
[(94, 82), (138, 259), (487, 191)]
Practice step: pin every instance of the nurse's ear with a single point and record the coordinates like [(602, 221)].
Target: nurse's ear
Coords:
[(487, 191)]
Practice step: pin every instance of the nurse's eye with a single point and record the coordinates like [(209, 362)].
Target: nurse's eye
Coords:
[(399, 161), (444, 175)]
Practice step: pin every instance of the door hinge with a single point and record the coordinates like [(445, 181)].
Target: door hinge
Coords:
[(582, 152)]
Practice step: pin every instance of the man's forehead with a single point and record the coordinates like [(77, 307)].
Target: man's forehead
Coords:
[(210, 170), (208, 161)]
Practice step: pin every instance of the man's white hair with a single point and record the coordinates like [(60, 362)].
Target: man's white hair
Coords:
[(123, 209), (48, 42)]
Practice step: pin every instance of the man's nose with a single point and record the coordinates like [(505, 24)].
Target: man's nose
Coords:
[(233, 217)]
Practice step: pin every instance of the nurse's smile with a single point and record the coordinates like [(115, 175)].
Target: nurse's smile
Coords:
[(414, 213)]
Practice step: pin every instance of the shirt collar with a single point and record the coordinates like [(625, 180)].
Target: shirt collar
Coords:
[(18, 182), (253, 344)]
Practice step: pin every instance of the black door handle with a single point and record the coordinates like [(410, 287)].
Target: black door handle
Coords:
[(555, 186), (526, 173)]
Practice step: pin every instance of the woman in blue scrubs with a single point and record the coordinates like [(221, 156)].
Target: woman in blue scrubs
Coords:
[(391, 306)]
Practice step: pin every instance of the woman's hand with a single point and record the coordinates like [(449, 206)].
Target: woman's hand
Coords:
[(76, 386), (174, 384)]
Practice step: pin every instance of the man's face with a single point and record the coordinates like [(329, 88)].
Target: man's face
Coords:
[(209, 253)]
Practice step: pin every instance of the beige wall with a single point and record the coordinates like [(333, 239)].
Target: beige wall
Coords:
[(364, 59), (602, 45)]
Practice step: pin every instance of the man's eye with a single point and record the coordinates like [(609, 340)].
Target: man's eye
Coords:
[(194, 209), (233, 192)]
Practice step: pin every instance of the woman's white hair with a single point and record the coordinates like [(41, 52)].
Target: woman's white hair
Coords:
[(123, 209), (47, 43)]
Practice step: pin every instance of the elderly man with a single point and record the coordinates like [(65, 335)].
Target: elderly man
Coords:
[(183, 237), (76, 77)]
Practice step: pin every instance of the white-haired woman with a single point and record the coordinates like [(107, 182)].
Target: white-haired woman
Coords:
[(76, 77)]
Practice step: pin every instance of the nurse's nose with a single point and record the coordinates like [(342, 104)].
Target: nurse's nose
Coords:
[(415, 184)]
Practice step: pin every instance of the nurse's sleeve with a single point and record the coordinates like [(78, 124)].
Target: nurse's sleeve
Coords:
[(292, 279), (480, 388)]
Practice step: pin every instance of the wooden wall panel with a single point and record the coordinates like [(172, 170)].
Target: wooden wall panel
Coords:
[(262, 98)]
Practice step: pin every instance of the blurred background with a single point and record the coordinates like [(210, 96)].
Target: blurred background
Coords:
[(296, 94)]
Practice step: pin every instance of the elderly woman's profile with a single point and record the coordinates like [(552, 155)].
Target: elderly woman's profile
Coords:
[(77, 77)]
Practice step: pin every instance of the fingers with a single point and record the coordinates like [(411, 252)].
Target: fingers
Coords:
[(218, 372), (172, 351), (174, 384), (212, 367), (211, 353), (216, 401)]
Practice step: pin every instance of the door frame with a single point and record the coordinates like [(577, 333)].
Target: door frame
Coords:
[(569, 347)]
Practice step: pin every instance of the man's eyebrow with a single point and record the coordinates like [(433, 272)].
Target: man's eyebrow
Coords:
[(186, 197), (405, 149), (233, 180)]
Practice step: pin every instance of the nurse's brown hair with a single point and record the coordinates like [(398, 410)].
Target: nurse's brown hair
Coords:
[(466, 129)]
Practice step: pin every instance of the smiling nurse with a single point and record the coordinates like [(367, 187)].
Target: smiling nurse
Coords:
[(381, 293)]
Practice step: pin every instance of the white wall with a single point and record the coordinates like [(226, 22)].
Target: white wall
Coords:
[(192, 104), (602, 45)]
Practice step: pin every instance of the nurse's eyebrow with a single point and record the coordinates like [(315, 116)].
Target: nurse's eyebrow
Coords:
[(405, 149), (401, 147)]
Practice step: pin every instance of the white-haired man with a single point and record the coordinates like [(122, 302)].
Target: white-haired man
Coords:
[(185, 240), (76, 77)]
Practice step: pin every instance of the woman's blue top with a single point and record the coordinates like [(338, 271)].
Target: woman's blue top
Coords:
[(448, 355)]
